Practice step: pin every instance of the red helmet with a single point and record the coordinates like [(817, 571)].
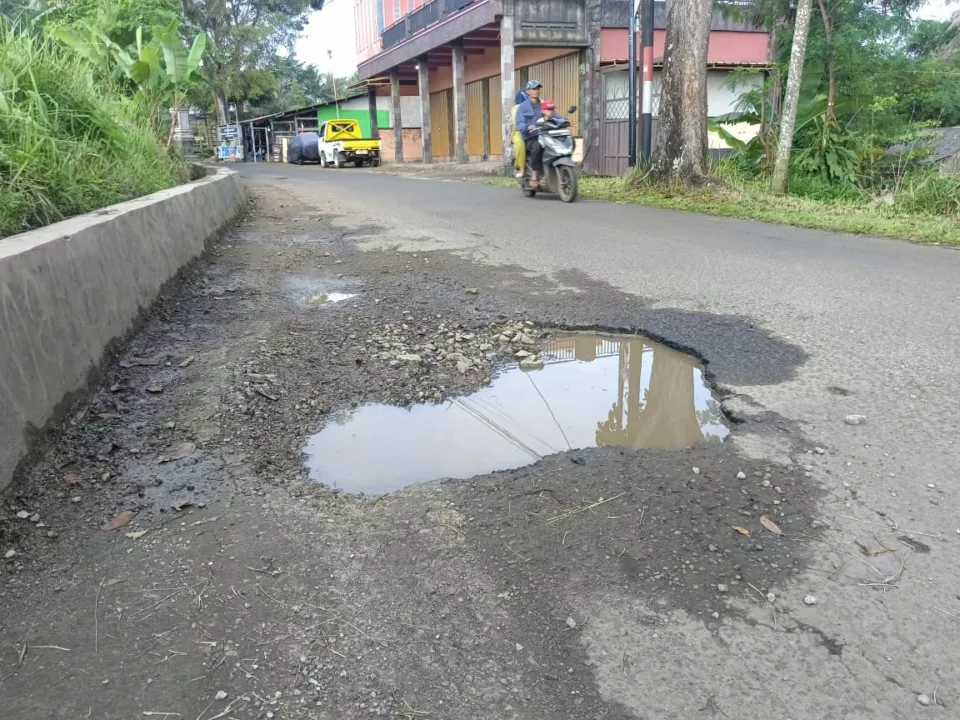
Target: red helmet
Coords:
[(548, 105)]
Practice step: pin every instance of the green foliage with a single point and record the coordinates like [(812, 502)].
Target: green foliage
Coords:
[(829, 152), (929, 192), (67, 143), (245, 36), (156, 69)]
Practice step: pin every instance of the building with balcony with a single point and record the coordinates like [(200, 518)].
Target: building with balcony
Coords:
[(452, 68)]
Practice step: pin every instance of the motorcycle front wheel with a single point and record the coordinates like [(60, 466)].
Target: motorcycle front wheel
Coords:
[(567, 183)]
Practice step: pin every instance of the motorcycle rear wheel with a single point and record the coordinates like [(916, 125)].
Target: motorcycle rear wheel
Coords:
[(567, 183)]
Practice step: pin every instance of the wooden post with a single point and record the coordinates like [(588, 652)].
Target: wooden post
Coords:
[(374, 122), (395, 116), (423, 74), (508, 92), (485, 90), (459, 104)]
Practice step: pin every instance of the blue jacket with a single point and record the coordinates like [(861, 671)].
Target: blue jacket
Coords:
[(527, 114), (521, 96)]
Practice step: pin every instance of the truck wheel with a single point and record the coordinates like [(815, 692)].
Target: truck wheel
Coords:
[(323, 160), (339, 160), (375, 162)]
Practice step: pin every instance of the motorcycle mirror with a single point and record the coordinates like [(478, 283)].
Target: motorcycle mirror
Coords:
[(572, 109)]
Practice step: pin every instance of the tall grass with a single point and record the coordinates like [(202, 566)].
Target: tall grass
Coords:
[(67, 145)]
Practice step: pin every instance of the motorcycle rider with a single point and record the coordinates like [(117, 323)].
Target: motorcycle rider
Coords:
[(531, 91), (528, 118)]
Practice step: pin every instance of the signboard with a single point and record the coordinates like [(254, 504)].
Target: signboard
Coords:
[(230, 142), (228, 133)]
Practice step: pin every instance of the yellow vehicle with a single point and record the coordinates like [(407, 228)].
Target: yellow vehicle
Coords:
[(341, 142)]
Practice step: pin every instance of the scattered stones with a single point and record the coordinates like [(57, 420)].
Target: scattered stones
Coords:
[(924, 699), (819, 450), (221, 695), (696, 470), (855, 419), (722, 588), (10, 554), (809, 600), (571, 623), (741, 475), (712, 548), (531, 363), (23, 514), (473, 291), (410, 358)]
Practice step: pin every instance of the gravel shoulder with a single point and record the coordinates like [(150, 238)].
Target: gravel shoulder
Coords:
[(601, 584)]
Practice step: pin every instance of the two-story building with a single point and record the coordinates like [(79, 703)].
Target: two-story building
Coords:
[(452, 68)]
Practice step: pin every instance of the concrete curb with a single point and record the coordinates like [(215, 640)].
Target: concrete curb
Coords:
[(69, 290)]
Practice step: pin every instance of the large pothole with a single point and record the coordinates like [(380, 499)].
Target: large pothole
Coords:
[(592, 390)]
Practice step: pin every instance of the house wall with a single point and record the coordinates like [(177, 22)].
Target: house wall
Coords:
[(367, 26), (477, 67), (412, 145), (726, 47), (721, 99)]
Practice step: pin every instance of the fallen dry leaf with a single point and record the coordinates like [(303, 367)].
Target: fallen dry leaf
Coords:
[(104, 450), (119, 521), (741, 530), (269, 396), (873, 550), (71, 479), (179, 505), (136, 535), (179, 452), (155, 389), (770, 525)]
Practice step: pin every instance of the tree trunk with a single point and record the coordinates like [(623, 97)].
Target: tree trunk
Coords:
[(831, 61), (220, 101), (680, 151), (788, 119)]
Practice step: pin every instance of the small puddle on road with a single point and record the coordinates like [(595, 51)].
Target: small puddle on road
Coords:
[(594, 390)]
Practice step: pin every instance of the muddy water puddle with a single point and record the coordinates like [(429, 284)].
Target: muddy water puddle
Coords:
[(594, 390)]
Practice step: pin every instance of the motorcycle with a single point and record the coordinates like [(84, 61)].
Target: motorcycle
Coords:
[(559, 170)]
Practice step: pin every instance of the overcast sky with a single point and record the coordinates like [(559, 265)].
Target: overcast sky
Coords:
[(331, 31)]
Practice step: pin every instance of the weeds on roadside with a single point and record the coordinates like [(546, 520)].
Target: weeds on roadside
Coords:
[(67, 146)]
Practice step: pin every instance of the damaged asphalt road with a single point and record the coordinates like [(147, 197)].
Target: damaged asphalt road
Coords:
[(598, 584)]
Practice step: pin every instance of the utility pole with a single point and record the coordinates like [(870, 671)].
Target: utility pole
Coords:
[(632, 90), (646, 42)]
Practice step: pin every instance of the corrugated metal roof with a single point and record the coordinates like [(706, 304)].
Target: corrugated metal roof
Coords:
[(298, 111)]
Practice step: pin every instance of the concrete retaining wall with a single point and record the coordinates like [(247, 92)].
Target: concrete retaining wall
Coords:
[(68, 290)]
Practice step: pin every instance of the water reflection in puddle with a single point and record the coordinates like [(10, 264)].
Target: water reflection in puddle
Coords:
[(318, 299), (595, 390)]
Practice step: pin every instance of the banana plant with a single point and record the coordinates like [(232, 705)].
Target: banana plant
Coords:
[(162, 70)]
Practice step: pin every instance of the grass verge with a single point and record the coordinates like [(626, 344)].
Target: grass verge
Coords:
[(749, 200), (67, 144)]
